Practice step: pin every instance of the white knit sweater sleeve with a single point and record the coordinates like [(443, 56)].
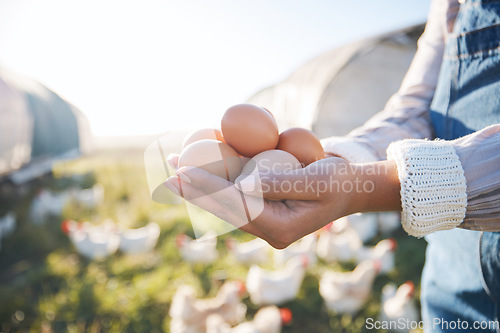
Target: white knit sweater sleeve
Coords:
[(433, 185)]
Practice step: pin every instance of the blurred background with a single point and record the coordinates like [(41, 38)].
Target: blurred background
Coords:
[(85, 87)]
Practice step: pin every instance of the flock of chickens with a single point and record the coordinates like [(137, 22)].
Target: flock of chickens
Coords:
[(47, 203), (100, 241), (342, 292), (342, 241)]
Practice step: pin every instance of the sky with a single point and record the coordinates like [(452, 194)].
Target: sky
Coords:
[(151, 66)]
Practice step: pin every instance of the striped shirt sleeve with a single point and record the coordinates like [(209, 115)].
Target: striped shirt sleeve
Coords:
[(475, 156), (406, 114)]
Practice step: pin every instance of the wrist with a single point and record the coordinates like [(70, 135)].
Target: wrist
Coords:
[(433, 185), (379, 189)]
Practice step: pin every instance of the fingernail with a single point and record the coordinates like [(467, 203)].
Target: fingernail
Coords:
[(172, 188), (182, 174), (247, 184), (170, 162), (183, 177)]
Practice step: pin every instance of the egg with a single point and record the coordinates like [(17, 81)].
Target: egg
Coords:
[(204, 133), (271, 161), (268, 112), (302, 144), (212, 156), (249, 129)]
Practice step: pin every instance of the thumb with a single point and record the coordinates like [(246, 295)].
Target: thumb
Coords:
[(300, 184), (309, 183)]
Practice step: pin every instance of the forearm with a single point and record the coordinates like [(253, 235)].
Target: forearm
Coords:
[(382, 189), (449, 184)]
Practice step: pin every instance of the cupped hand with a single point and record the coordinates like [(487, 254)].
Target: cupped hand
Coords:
[(280, 207)]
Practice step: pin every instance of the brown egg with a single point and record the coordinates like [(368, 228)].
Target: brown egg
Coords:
[(213, 156), (249, 129), (271, 161), (204, 133), (302, 144)]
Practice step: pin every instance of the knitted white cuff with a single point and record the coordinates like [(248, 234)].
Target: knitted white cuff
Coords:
[(348, 149), (433, 186)]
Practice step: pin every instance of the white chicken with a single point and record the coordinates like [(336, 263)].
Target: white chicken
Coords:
[(269, 319), (384, 251), (255, 251), (347, 292), (7, 226), (189, 314), (201, 250), (276, 287), (139, 240), (47, 203), (398, 306), (93, 242), (365, 224), (338, 247), (388, 222), (305, 247)]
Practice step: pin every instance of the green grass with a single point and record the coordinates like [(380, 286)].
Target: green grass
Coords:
[(46, 286)]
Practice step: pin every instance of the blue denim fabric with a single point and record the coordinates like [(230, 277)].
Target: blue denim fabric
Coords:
[(461, 278)]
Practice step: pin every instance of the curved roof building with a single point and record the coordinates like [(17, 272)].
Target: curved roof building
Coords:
[(340, 89)]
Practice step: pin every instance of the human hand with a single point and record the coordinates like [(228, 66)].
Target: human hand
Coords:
[(283, 207)]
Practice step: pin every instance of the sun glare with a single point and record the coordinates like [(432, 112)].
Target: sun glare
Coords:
[(151, 66)]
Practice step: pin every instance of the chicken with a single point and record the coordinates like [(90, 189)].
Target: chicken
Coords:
[(347, 292), (338, 247), (383, 251), (7, 226), (47, 203), (255, 251), (93, 242), (303, 247), (388, 222), (201, 250), (366, 225), (276, 287), (398, 306), (139, 240), (269, 319), (189, 314)]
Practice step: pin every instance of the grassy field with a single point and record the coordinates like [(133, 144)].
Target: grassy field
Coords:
[(45, 286)]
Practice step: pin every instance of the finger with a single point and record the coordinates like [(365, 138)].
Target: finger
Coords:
[(270, 221), (309, 183), (173, 160), (237, 217), (205, 181), (204, 201), (222, 191)]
